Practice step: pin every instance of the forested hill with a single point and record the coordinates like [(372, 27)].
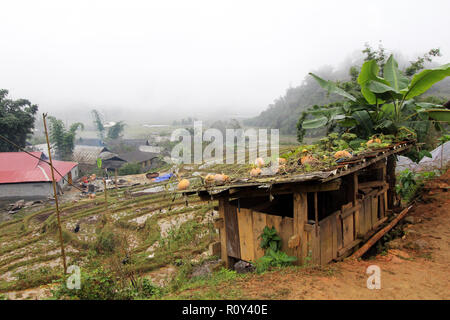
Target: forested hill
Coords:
[(284, 112)]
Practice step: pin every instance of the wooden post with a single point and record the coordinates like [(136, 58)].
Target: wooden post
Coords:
[(222, 233), (390, 171), (300, 220), (115, 177), (63, 254), (316, 213), (106, 194)]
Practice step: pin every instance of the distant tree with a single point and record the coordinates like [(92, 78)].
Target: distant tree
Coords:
[(98, 123), (16, 120), (63, 139), (115, 131), (418, 64)]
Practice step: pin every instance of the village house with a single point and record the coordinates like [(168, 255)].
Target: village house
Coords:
[(25, 177), (147, 160), (87, 157), (320, 216)]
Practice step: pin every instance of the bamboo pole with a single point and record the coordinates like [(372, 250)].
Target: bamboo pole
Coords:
[(115, 177), (63, 254), (379, 234), (106, 194), (316, 214)]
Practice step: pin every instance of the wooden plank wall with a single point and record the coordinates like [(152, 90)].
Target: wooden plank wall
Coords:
[(373, 209), (324, 241), (232, 231), (251, 224)]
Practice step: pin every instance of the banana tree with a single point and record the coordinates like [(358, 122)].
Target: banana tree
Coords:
[(387, 104)]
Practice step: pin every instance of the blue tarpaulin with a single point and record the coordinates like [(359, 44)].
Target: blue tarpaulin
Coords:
[(163, 178)]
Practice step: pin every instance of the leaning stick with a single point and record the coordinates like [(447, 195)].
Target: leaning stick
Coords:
[(379, 234)]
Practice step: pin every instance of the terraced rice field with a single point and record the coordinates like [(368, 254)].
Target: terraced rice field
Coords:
[(157, 230)]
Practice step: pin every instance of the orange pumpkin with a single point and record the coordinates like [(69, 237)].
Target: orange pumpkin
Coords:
[(259, 162), (183, 184), (221, 178), (209, 179), (342, 154), (255, 172), (307, 159)]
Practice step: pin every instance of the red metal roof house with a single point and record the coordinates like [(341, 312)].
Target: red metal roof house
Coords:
[(25, 177)]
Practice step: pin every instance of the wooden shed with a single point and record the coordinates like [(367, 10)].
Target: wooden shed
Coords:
[(320, 216)]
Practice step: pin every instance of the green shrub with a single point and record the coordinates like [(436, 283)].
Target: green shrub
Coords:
[(143, 288), (273, 257), (130, 168), (107, 241), (407, 184), (97, 284)]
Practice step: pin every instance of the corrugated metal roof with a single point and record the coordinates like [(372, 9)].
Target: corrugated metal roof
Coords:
[(87, 154), (17, 167)]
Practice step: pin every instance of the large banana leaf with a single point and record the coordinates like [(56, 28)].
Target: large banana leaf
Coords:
[(423, 81), (393, 75), (439, 114), (331, 87), (367, 76), (315, 123)]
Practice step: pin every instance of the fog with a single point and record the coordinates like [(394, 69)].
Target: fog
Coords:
[(152, 61)]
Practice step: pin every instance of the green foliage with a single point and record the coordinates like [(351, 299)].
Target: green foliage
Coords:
[(107, 241), (270, 239), (419, 63), (129, 168), (141, 288), (407, 183), (16, 121), (273, 257), (444, 138), (284, 112), (115, 131), (388, 106), (98, 124), (63, 139), (98, 284)]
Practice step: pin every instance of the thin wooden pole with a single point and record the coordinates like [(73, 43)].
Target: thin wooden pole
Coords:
[(63, 254), (115, 177), (379, 234), (106, 194), (316, 213)]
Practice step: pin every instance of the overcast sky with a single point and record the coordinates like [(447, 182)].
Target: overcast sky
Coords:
[(189, 56)]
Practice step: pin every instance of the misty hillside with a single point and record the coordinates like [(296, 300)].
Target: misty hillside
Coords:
[(284, 112)]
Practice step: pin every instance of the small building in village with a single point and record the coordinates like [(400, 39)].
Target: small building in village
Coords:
[(87, 157), (147, 160), (25, 177), (320, 216)]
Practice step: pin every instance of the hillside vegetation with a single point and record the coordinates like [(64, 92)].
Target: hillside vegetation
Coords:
[(285, 111)]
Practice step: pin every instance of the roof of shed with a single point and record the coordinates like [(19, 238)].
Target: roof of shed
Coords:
[(87, 154), (268, 180), (17, 167)]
